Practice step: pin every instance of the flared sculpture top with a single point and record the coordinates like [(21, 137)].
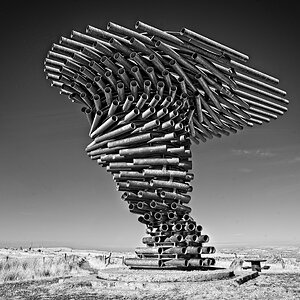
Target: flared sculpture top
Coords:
[(203, 86), (147, 94)]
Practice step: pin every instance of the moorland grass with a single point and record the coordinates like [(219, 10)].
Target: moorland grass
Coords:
[(14, 269)]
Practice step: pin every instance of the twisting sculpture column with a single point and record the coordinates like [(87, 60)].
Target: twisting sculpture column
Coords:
[(147, 96)]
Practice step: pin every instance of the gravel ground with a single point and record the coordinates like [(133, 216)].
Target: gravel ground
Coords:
[(265, 286)]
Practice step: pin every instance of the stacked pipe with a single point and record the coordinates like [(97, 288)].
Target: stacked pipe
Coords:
[(146, 97)]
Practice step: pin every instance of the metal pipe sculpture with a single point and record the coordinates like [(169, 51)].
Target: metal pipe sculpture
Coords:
[(147, 94)]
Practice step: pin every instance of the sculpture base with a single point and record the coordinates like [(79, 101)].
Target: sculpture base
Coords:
[(165, 255), (154, 276)]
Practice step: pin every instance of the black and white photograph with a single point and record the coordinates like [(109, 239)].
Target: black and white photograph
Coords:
[(150, 150)]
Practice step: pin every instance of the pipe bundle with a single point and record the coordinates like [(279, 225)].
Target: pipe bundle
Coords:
[(147, 94)]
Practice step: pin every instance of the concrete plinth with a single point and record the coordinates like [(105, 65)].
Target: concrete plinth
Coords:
[(125, 275)]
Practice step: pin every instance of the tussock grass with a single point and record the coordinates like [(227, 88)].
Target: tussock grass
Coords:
[(14, 269)]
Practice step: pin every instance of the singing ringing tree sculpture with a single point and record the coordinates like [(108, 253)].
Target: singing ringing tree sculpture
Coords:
[(147, 96)]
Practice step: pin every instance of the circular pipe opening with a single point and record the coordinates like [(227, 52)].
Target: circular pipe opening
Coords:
[(132, 55), (164, 227), (108, 73), (178, 227), (157, 239), (197, 93), (103, 59), (184, 95), (157, 44), (182, 30), (137, 24), (149, 70), (191, 227), (130, 206), (205, 238), (172, 62), (161, 84), (162, 194), (133, 83), (147, 83), (88, 28), (134, 69), (194, 55), (132, 125), (173, 88), (186, 217), (152, 203), (198, 228), (179, 238), (130, 98), (140, 205), (157, 215), (174, 205), (116, 55), (147, 216), (171, 215), (120, 85)]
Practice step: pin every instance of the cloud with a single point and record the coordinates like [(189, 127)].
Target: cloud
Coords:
[(294, 160), (253, 153)]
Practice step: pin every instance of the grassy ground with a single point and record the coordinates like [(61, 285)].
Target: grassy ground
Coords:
[(70, 275), (13, 269), (265, 287)]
